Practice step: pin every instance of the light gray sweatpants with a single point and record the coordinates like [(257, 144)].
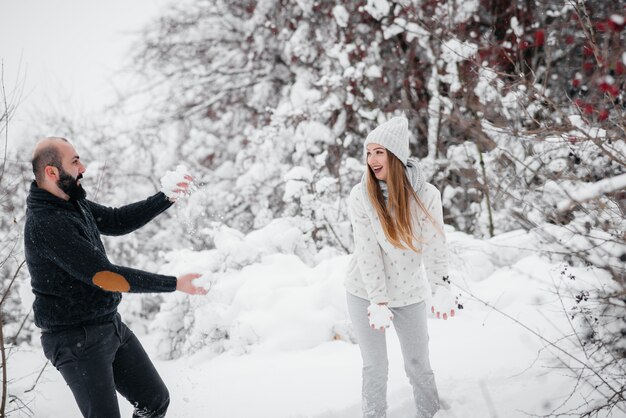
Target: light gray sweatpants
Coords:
[(410, 325)]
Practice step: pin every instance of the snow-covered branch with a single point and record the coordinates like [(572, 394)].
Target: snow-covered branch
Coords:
[(586, 192)]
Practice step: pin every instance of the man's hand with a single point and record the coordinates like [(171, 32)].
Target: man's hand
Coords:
[(380, 316), (176, 184), (182, 188), (185, 284), (444, 303)]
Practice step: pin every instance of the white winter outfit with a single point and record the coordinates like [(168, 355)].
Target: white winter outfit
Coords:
[(383, 273)]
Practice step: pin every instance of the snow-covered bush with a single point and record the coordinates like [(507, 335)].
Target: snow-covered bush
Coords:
[(269, 289)]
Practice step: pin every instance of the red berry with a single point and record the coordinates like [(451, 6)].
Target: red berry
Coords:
[(588, 50), (569, 39), (620, 68), (576, 82), (588, 109), (588, 67), (601, 26)]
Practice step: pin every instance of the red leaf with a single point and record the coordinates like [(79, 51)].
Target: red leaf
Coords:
[(604, 87), (607, 85), (540, 37), (616, 23), (601, 26)]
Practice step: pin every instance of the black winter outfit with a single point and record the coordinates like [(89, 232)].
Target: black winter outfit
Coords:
[(82, 333)]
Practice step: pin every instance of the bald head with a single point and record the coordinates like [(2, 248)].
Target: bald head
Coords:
[(47, 153)]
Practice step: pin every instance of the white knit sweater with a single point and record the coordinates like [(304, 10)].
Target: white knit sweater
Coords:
[(382, 273)]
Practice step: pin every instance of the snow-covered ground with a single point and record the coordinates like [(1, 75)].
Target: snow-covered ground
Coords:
[(289, 353)]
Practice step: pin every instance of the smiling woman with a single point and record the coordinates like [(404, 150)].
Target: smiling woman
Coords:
[(62, 55), (397, 219)]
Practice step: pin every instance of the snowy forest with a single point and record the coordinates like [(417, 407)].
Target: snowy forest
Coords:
[(517, 113)]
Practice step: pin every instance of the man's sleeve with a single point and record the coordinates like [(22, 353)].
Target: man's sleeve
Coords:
[(126, 219), (61, 243), (367, 251), (435, 255)]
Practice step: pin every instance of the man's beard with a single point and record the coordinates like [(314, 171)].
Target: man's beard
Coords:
[(70, 186)]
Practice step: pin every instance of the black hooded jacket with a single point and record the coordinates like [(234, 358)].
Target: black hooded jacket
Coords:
[(73, 281)]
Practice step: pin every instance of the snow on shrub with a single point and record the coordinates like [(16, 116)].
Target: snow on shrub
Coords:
[(262, 294)]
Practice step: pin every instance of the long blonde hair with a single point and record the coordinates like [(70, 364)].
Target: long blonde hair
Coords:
[(395, 216)]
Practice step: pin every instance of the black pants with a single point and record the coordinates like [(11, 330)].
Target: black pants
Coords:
[(98, 360)]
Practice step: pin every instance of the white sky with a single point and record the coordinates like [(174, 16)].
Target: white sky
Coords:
[(65, 52)]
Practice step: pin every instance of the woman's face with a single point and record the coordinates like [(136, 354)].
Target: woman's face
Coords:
[(377, 160)]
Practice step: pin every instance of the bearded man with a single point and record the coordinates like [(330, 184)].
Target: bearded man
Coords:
[(77, 289)]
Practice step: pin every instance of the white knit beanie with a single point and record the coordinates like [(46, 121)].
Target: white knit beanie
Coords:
[(393, 135)]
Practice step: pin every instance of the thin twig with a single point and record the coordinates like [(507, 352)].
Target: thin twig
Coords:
[(38, 377), (6, 121), (6, 291), (4, 368)]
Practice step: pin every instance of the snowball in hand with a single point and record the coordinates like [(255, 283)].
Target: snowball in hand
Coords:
[(444, 301), (169, 182), (380, 316)]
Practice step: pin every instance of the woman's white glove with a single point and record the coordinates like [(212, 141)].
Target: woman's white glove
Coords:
[(175, 184), (444, 302), (380, 316)]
